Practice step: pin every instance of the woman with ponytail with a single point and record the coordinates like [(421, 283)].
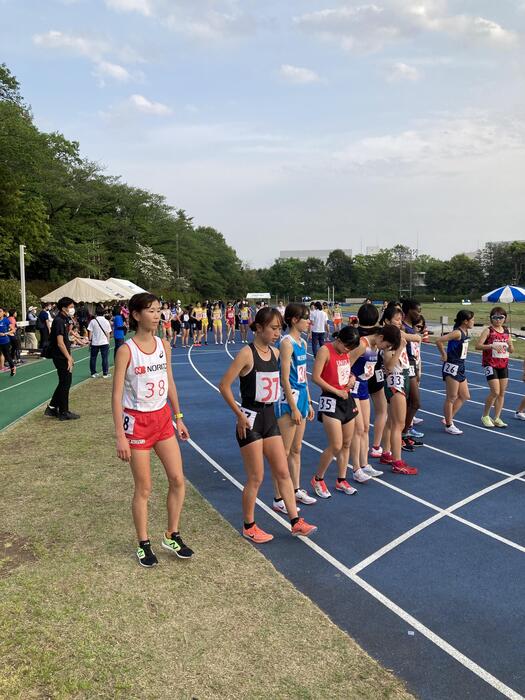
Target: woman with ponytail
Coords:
[(454, 367)]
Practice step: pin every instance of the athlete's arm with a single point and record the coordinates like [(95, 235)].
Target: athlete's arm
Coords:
[(286, 361), (481, 344), (391, 358), (242, 363), (173, 396), (440, 342), (119, 372), (321, 360)]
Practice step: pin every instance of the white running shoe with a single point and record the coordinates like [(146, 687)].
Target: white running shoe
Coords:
[(360, 476), (280, 507), (94, 376), (417, 421), (106, 376), (232, 342), (452, 430), (345, 487), (301, 496), (369, 469), (520, 415), (376, 452)]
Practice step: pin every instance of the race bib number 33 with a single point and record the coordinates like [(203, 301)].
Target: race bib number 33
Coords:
[(267, 387)]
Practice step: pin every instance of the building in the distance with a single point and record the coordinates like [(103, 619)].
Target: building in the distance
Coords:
[(304, 254)]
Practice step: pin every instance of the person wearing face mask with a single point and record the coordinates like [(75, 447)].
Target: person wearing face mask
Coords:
[(60, 352)]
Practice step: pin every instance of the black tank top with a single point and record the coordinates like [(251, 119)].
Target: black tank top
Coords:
[(261, 386)]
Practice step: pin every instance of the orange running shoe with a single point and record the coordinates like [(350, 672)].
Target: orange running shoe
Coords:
[(303, 528), (255, 534)]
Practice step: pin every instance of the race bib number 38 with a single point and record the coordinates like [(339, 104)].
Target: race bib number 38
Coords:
[(267, 387)]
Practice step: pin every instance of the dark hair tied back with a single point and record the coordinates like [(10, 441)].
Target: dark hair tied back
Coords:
[(138, 303), (348, 336)]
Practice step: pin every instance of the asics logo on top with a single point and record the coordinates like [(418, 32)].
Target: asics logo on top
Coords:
[(140, 370), (161, 354)]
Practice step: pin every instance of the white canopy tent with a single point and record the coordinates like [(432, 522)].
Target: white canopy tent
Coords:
[(258, 296), (89, 290), (129, 288)]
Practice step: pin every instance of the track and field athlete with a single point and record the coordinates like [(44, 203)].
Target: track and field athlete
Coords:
[(337, 317), (205, 321), (217, 323), (142, 385), (397, 386), (197, 315), (383, 339), (454, 368), (496, 343), (175, 324), (165, 321), (294, 407), (257, 430), (5, 340), (368, 316), (245, 317), (411, 313), (185, 318), (337, 409), (230, 323)]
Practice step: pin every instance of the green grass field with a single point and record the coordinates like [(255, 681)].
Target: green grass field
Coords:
[(80, 619)]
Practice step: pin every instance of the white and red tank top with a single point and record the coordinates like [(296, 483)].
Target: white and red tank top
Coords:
[(146, 379), (336, 372), (497, 356)]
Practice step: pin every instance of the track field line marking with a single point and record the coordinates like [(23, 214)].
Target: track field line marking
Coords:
[(380, 597), (51, 371), (471, 425), (441, 511)]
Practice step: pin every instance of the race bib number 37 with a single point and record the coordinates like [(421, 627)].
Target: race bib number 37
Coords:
[(267, 387)]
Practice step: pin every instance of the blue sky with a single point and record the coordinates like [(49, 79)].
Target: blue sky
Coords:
[(293, 124)]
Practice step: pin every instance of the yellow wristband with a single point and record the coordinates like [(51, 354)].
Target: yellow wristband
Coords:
[(179, 415)]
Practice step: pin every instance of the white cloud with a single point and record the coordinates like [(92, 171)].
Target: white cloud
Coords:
[(300, 76), (142, 6), (93, 49), (369, 27), (112, 70), (142, 104), (401, 72), (204, 24)]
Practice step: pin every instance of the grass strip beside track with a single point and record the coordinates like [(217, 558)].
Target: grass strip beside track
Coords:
[(79, 617)]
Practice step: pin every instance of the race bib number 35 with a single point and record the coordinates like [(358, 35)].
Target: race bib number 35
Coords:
[(500, 350), (327, 404), (267, 387)]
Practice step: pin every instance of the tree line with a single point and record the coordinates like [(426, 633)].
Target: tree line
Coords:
[(76, 220)]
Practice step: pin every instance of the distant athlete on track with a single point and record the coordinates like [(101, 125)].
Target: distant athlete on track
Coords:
[(496, 343), (257, 430), (142, 385), (454, 367)]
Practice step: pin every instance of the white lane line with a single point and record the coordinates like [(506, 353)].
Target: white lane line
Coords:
[(471, 425), (438, 641), (51, 371), (426, 523), (444, 393)]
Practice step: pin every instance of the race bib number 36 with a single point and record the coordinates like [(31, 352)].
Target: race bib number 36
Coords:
[(327, 404), (267, 387), (301, 374)]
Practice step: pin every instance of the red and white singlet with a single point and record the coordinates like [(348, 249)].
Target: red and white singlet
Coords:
[(146, 380)]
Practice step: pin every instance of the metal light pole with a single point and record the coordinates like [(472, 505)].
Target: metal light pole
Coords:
[(23, 281)]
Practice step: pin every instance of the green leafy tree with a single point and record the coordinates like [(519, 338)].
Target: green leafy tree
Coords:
[(339, 268)]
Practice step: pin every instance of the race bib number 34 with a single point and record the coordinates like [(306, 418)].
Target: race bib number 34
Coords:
[(267, 387)]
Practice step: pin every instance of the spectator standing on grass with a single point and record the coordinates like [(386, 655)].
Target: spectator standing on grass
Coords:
[(99, 331), (43, 325), (14, 339), (119, 329), (31, 341), (59, 351), (5, 340)]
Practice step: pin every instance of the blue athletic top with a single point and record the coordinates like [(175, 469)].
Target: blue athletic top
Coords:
[(298, 380), (457, 349), (364, 367), (118, 327), (4, 328)]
